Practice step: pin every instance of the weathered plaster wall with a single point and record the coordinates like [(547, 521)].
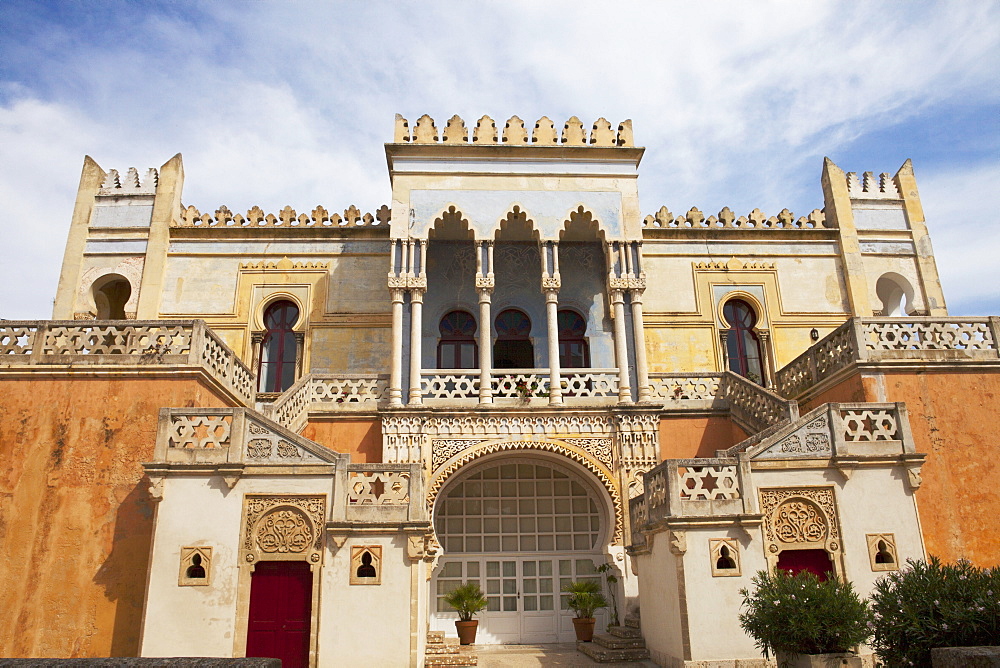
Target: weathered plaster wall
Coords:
[(361, 437), (952, 416), (687, 437), (75, 515)]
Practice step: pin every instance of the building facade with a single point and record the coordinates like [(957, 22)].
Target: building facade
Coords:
[(294, 432)]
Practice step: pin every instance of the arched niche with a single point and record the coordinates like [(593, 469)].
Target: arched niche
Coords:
[(895, 293), (111, 294)]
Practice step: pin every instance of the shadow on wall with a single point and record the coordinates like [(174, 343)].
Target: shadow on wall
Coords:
[(123, 573)]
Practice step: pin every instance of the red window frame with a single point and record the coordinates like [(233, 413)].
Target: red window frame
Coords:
[(458, 333), (742, 343), (572, 333)]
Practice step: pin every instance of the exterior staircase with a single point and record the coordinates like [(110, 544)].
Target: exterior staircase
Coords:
[(620, 645), (443, 651)]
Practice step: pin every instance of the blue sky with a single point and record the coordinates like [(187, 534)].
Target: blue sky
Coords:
[(275, 103)]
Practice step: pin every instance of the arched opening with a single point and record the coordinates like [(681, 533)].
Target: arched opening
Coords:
[(895, 293), (457, 348), (742, 343), (111, 294), (279, 348), (513, 348), (574, 351), (522, 527)]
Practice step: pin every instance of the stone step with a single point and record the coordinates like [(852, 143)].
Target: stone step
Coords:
[(436, 637), (625, 631), (616, 642), (466, 657), (632, 621), (605, 655), (442, 648)]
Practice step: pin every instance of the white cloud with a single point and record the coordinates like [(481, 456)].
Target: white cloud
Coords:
[(275, 104)]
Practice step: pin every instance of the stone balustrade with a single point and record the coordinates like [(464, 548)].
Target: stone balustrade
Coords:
[(461, 386), (756, 408), (381, 493), (231, 437), (126, 343), (332, 391), (692, 488), (677, 388), (861, 340)]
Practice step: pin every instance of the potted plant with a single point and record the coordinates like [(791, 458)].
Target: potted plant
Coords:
[(609, 575), (805, 622), (467, 599), (585, 597)]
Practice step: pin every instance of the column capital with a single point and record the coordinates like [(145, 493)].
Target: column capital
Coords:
[(396, 295), (553, 282), (617, 295), (618, 283), (487, 282)]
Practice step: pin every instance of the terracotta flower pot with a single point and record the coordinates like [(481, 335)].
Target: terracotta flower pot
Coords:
[(584, 627), (466, 631), (819, 660)]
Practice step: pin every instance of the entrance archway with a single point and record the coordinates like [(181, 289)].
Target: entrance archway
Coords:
[(522, 526)]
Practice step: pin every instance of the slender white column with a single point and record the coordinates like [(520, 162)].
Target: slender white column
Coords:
[(396, 372), (621, 351), (555, 377), (485, 356), (484, 285), (639, 334), (416, 338)]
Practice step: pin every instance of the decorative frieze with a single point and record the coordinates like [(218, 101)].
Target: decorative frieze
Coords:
[(515, 133)]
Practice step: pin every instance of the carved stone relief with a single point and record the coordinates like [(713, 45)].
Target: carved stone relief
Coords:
[(800, 518), (282, 528)]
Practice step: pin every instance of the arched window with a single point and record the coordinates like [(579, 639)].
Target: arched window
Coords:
[(278, 348), (457, 347), (513, 348), (742, 343), (574, 352)]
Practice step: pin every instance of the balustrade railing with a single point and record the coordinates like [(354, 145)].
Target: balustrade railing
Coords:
[(521, 384), (377, 493), (126, 342), (677, 387), (882, 339), (692, 487), (292, 407), (754, 407)]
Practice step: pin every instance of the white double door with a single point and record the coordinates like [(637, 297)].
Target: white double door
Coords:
[(524, 603)]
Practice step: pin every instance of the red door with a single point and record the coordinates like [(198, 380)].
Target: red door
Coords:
[(816, 562), (280, 602)]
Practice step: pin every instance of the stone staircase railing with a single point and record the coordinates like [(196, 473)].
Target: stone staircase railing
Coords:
[(341, 390), (862, 340), (126, 342)]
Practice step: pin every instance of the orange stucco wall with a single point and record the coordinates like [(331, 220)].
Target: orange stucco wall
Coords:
[(361, 437), (953, 415), (687, 437), (954, 421), (75, 513)]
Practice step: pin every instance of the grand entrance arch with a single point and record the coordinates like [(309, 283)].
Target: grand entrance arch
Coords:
[(522, 525)]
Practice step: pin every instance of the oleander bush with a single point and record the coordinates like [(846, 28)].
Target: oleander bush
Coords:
[(930, 604), (798, 614)]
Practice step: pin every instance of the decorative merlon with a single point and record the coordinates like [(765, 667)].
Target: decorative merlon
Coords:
[(287, 217), (734, 264), (869, 188), (515, 133), (130, 185), (284, 264), (727, 220)]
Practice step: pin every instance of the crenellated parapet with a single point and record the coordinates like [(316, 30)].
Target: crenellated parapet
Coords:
[(115, 185), (515, 133), (868, 187), (287, 217), (727, 220)]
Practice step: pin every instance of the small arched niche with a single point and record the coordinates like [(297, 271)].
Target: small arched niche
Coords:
[(896, 295), (366, 564), (111, 293)]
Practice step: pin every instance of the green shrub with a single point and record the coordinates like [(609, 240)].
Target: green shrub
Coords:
[(798, 614), (928, 605), (467, 599)]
